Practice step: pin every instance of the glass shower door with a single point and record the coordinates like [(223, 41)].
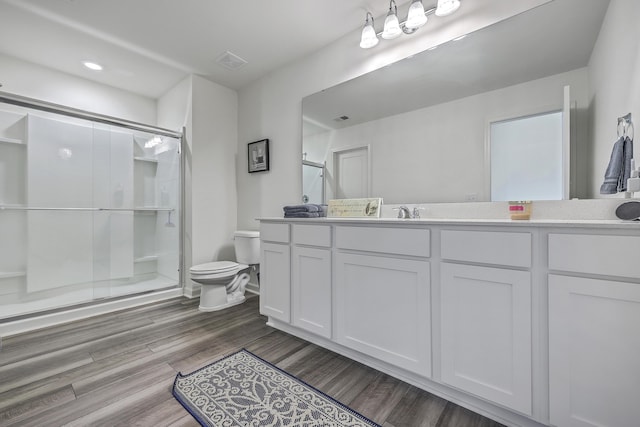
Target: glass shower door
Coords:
[(89, 211)]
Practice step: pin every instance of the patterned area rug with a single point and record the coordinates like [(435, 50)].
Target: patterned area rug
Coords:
[(244, 390)]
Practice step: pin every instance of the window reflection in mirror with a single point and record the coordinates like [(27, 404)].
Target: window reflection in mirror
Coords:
[(526, 158)]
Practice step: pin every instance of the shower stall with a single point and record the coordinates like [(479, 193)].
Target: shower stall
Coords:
[(90, 208)]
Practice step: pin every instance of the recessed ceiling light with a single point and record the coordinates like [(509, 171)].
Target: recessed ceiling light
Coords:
[(92, 65)]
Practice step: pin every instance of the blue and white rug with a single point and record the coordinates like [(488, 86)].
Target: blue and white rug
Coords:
[(244, 390)]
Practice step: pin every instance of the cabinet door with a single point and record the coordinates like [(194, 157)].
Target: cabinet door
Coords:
[(383, 309), (486, 333), (311, 290), (594, 352), (275, 281)]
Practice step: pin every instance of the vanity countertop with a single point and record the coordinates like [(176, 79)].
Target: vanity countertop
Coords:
[(578, 223)]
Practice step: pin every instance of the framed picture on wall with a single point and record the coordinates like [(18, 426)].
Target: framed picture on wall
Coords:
[(259, 156)]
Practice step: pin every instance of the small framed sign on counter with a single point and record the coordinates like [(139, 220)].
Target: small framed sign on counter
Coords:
[(354, 208)]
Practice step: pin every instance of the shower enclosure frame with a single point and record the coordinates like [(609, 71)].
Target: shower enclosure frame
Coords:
[(48, 107)]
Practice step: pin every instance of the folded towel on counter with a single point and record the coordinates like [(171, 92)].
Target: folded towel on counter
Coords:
[(619, 168), (309, 210), (302, 215), (301, 208)]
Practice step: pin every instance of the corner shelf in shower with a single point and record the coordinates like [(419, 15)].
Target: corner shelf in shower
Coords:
[(4, 139), (146, 159), (148, 258), (12, 274)]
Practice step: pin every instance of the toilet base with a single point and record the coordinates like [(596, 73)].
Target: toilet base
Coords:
[(214, 297), (231, 303)]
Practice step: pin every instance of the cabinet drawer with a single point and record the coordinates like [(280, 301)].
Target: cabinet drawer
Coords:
[(400, 241), (595, 254), (274, 232), (313, 235), (487, 247)]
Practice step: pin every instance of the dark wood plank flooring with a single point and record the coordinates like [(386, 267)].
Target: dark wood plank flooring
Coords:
[(117, 370)]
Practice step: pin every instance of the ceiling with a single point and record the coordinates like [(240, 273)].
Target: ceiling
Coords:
[(147, 46)]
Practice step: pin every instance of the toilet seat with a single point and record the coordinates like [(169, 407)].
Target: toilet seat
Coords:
[(216, 270), (214, 267)]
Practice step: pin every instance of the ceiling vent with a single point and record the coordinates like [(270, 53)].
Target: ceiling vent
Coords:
[(230, 61), (341, 118)]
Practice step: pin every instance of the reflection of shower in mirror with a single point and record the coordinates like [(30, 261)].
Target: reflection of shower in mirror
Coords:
[(313, 185)]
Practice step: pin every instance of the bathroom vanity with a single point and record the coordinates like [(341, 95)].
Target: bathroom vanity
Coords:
[(529, 323)]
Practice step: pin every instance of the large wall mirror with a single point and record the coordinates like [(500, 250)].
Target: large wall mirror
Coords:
[(418, 131)]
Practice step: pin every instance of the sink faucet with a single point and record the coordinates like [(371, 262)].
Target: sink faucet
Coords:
[(403, 212), (416, 212)]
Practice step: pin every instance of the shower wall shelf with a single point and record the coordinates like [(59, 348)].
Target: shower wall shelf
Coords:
[(6, 140), (148, 258), (12, 274), (146, 159)]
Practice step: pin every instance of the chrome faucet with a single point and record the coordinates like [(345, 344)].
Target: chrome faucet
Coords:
[(416, 212), (403, 212)]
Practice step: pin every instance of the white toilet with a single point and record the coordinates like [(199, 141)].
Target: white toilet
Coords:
[(223, 282)]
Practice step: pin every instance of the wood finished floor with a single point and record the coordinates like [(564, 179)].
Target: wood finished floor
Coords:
[(117, 370)]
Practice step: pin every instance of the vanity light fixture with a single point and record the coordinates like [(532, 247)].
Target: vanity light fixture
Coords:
[(369, 37), (391, 23), (92, 65), (416, 18)]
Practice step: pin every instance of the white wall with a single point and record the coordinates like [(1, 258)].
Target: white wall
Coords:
[(209, 113), (34, 81), (447, 141), (213, 189), (614, 80), (271, 107)]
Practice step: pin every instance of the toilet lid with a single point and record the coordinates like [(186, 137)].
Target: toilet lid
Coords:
[(215, 267)]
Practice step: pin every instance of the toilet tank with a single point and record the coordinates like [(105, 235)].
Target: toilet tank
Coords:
[(247, 245)]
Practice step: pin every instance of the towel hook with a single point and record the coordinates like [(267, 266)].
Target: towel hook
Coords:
[(626, 123)]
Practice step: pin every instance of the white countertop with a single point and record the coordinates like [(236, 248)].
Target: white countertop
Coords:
[(466, 221), (589, 213)]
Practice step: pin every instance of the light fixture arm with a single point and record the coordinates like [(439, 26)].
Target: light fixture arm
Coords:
[(366, 20), (395, 6)]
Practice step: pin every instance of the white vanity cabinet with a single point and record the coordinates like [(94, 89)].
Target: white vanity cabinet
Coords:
[(275, 271), (382, 294), (532, 323), (311, 278), (485, 315), (594, 330)]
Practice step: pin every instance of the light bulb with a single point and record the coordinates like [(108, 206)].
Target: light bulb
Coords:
[(369, 37), (391, 26), (416, 17), (447, 7)]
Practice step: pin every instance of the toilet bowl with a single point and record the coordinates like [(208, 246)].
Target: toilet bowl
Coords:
[(223, 283)]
